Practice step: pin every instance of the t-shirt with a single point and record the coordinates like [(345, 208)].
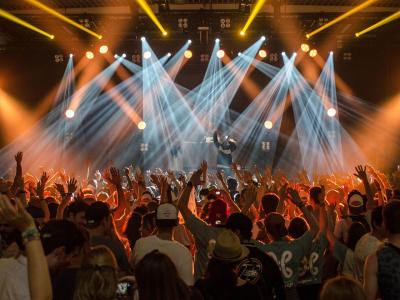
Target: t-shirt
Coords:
[(178, 253), (115, 246), (367, 245), (288, 255), (14, 283), (312, 264), (202, 234), (342, 226), (345, 256), (261, 270)]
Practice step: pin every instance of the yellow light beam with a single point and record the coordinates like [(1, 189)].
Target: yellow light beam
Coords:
[(21, 22), (62, 17), (147, 9), (341, 17), (252, 16), (379, 24)]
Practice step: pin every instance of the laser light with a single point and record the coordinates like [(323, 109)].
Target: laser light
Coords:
[(103, 49), (142, 125), (89, 55), (69, 113), (268, 124), (220, 53), (331, 112)]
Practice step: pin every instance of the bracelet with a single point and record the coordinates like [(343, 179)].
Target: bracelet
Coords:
[(30, 235)]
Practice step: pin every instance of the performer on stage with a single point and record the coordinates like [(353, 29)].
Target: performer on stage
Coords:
[(225, 149)]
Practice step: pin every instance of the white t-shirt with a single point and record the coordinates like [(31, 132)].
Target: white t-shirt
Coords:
[(179, 254), (14, 284)]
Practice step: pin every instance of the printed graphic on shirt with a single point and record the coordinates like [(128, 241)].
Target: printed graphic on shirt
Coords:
[(250, 270), (309, 268), (283, 263)]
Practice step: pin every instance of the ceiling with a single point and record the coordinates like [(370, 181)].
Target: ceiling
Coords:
[(21, 4)]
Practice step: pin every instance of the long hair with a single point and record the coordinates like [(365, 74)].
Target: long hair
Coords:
[(342, 288), (97, 278), (158, 279)]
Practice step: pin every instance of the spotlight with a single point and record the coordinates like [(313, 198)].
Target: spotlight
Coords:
[(103, 49), (217, 40), (146, 54), (239, 53), (89, 55), (331, 53), (294, 54), (116, 56), (188, 54), (242, 33), (313, 53), (263, 38), (268, 124), (124, 55), (305, 47), (220, 53), (262, 53), (165, 33), (331, 112), (69, 113), (71, 55), (169, 54), (142, 38), (142, 125), (283, 53), (189, 41)]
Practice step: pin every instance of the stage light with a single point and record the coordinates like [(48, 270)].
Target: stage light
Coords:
[(146, 7), (313, 53), (142, 38), (262, 53), (69, 113), (58, 58), (146, 54), (21, 22), (294, 54), (241, 33), (63, 18), (103, 49), (124, 55), (283, 53), (188, 54), (142, 125), (165, 33), (268, 124), (341, 17), (331, 53), (379, 24), (263, 38), (217, 40), (252, 16), (331, 112), (115, 55), (239, 53), (89, 55), (189, 41), (305, 47), (220, 53), (169, 54)]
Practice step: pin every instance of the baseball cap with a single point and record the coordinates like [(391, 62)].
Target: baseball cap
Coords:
[(275, 225), (166, 215), (356, 203), (96, 212)]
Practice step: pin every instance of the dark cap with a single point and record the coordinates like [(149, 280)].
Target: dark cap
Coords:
[(275, 225), (96, 212)]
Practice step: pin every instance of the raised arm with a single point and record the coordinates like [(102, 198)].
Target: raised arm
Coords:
[(232, 205), (66, 197), (185, 195), (361, 172), (38, 271), (40, 193)]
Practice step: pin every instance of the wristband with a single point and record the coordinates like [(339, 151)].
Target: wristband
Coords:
[(30, 235)]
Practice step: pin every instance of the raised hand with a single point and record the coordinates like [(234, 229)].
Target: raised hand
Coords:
[(18, 157), (165, 189), (156, 180), (15, 215), (361, 172), (249, 195), (72, 186), (294, 197), (40, 186), (196, 178), (115, 178), (60, 188)]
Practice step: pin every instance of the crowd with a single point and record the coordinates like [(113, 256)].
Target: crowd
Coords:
[(170, 235)]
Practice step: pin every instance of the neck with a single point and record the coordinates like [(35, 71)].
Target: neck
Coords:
[(394, 239), (165, 233), (96, 231)]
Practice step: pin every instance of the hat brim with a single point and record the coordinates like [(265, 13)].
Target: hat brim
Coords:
[(245, 253)]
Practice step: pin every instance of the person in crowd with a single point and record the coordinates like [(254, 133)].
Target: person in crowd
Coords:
[(257, 268), (382, 272), (157, 279), (225, 150), (101, 230), (97, 277), (166, 221), (342, 288), (132, 228), (75, 212), (27, 275)]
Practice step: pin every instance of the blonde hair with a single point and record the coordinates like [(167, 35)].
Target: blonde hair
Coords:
[(342, 288), (97, 278)]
